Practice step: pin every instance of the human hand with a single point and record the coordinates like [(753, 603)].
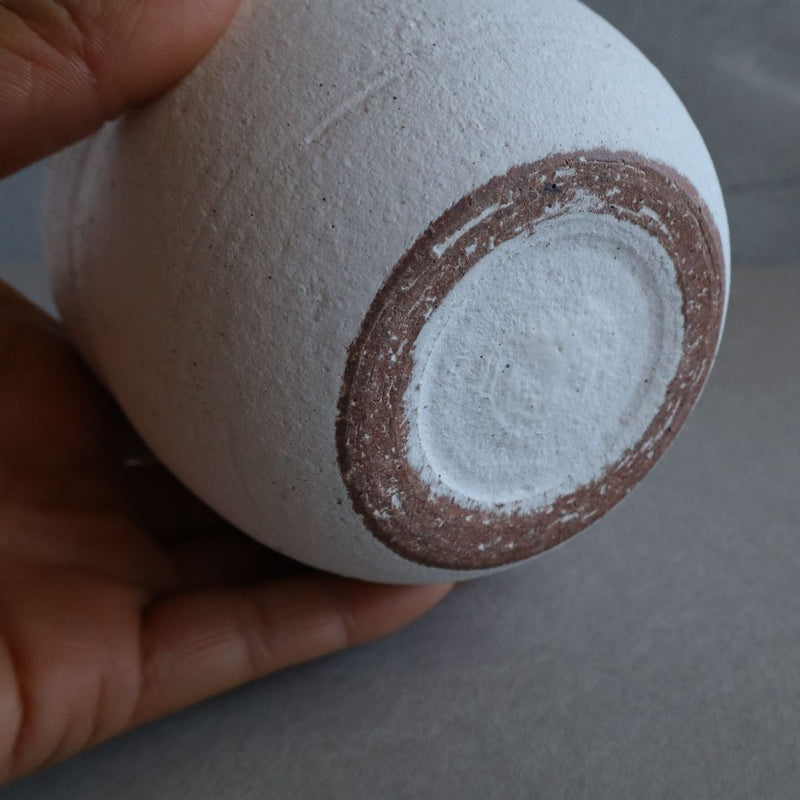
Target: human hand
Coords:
[(121, 597)]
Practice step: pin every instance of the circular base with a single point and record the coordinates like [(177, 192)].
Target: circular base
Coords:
[(529, 359)]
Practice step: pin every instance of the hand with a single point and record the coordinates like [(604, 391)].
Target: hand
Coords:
[(121, 597)]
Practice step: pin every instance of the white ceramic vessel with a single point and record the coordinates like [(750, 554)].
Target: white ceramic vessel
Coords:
[(409, 291)]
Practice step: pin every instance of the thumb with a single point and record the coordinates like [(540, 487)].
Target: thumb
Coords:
[(67, 66)]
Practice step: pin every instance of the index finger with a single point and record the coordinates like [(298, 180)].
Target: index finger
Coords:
[(67, 66)]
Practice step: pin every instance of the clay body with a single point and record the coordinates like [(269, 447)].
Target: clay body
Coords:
[(407, 291)]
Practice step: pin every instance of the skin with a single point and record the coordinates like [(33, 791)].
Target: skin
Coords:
[(121, 597)]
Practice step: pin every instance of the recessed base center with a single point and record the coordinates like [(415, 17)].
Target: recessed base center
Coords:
[(544, 363), (530, 358)]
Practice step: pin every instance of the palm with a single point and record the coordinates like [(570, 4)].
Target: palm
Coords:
[(121, 597)]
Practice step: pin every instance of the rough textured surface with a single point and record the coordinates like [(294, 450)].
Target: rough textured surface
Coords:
[(657, 658), (217, 251)]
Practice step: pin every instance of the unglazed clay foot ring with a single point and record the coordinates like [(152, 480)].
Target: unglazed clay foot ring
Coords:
[(530, 358)]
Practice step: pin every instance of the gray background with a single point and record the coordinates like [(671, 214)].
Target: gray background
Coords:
[(656, 656)]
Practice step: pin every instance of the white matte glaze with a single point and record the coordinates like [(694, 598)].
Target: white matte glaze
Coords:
[(216, 251)]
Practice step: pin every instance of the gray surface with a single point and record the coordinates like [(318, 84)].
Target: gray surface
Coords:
[(736, 64), (655, 656), (21, 251)]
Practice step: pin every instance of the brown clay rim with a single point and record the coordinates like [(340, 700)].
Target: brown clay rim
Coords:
[(394, 502)]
